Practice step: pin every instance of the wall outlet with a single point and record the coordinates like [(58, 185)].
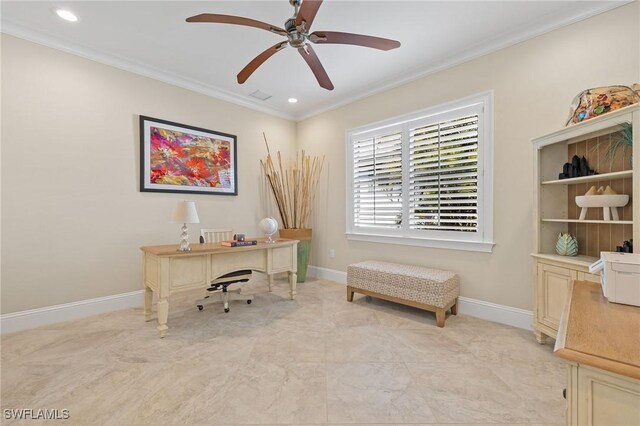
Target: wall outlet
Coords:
[(332, 253)]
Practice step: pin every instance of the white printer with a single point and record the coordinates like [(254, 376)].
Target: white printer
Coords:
[(620, 277)]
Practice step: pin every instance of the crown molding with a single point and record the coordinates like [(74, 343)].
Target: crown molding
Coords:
[(481, 49), (499, 42), (17, 30)]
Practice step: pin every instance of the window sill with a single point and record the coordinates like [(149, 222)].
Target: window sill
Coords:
[(478, 246)]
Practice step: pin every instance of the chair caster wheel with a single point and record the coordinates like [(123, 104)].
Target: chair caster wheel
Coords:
[(200, 307), (226, 310), (249, 302)]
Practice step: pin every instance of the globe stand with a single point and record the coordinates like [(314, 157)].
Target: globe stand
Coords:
[(269, 227)]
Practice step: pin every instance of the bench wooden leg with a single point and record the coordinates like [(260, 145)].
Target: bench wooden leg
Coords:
[(440, 317), (349, 294), (454, 308)]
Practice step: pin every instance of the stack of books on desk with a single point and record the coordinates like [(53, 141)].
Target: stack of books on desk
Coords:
[(235, 243)]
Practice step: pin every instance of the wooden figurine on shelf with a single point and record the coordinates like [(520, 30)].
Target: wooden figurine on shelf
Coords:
[(578, 167), (626, 247), (606, 198)]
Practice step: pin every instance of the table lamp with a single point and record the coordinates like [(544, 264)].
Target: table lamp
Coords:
[(185, 212)]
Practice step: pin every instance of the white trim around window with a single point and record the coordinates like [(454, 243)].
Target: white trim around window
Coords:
[(425, 178)]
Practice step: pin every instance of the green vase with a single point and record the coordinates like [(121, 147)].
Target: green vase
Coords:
[(303, 235)]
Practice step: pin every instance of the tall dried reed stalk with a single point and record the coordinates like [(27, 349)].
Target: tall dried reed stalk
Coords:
[(293, 187)]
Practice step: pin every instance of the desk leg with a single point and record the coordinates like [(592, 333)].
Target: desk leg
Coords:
[(293, 279), (163, 314), (148, 299), (270, 282)]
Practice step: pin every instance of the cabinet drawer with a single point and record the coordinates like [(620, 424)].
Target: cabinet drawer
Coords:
[(187, 272), (281, 259), (256, 260)]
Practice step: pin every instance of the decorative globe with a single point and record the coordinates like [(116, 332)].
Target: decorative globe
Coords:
[(268, 226)]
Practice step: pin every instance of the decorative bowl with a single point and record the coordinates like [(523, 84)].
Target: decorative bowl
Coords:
[(619, 200)]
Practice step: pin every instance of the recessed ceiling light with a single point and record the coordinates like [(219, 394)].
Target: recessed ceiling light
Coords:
[(292, 100), (66, 15)]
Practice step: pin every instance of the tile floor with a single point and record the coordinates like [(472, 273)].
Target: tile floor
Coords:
[(315, 360)]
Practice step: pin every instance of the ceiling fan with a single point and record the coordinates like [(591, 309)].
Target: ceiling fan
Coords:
[(296, 29)]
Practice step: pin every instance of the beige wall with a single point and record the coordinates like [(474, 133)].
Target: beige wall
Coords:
[(533, 84), (72, 215)]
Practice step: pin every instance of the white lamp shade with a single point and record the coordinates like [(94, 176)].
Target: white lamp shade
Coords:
[(185, 212)]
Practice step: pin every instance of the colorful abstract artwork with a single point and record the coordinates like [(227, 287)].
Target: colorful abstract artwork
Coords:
[(180, 158)]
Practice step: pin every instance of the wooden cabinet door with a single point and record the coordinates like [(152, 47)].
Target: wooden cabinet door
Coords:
[(606, 398), (553, 286)]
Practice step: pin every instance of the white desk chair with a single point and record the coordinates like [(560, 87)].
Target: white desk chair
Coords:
[(218, 291), (215, 235)]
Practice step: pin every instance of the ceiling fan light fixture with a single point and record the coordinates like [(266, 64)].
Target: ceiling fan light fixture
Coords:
[(292, 100), (66, 15)]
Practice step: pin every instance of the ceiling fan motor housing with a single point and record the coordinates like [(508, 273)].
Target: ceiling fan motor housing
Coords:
[(290, 25), (296, 38)]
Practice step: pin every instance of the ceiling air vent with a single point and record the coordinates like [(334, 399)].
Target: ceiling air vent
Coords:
[(260, 95)]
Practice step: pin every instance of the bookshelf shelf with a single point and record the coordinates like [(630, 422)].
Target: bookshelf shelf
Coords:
[(601, 222), (593, 178), (583, 261)]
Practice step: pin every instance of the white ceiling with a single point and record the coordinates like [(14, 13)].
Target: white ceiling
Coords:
[(153, 39)]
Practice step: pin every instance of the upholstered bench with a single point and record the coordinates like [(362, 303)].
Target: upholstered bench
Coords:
[(433, 290)]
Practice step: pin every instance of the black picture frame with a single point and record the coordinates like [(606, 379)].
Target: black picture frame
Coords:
[(179, 158)]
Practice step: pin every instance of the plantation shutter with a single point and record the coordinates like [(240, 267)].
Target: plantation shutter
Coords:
[(443, 183), (377, 181)]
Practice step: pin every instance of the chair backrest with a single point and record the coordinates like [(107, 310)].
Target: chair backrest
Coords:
[(215, 235)]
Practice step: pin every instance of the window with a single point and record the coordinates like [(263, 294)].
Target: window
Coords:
[(377, 181), (424, 179)]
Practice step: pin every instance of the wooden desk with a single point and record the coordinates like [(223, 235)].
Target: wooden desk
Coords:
[(601, 341), (167, 270)]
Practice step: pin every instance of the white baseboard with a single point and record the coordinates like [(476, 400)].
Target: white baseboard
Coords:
[(327, 274), (69, 311), (502, 314)]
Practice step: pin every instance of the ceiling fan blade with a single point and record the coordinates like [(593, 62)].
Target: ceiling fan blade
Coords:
[(259, 60), (308, 12), (316, 67), (333, 37), (235, 20)]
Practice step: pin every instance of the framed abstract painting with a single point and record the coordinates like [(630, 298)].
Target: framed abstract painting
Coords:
[(179, 158)]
